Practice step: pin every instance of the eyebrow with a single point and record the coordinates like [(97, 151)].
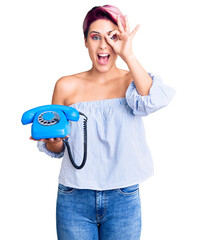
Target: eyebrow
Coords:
[(99, 32)]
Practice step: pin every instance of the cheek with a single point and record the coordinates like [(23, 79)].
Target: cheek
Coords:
[(92, 49), (91, 53), (113, 55)]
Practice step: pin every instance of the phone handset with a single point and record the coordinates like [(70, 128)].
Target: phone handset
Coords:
[(71, 113), (52, 121)]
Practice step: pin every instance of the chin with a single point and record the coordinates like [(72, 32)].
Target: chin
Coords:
[(103, 69)]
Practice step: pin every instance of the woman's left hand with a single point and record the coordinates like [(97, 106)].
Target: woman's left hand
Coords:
[(121, 40)]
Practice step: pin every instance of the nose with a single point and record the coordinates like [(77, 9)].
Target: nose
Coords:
[(103, 44)]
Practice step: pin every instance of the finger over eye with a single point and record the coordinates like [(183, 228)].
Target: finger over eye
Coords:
[(113, 35)]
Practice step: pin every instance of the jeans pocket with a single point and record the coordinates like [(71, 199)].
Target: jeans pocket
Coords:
[(131, 190), (65, 189)]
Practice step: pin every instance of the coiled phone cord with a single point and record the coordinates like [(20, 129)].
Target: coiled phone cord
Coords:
[(85, 145)]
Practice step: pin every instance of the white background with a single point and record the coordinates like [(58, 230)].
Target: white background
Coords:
[(42, 41)]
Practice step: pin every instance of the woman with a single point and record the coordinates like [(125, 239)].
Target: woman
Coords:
[(102, 201)]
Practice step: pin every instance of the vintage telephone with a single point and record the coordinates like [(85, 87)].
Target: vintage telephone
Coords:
[(52, 121)]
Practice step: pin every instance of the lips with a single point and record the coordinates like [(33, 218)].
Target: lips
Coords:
[(103, 58)]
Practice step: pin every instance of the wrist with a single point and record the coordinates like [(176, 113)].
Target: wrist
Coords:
[(129, 58), (55, 147)]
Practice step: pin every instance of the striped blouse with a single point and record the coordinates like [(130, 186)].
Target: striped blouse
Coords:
[(117, 151)]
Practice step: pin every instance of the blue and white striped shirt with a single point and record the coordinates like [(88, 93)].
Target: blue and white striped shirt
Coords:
[(117, 152)]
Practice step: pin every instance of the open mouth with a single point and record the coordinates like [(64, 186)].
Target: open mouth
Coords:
[(103, 58)]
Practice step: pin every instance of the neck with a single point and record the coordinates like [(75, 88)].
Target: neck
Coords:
[(103, 77)]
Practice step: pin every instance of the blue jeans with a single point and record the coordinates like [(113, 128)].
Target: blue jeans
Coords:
[(84, 214)]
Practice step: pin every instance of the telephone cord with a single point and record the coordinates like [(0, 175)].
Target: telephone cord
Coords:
[(85, 145)]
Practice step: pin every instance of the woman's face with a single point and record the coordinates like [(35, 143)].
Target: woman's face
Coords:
[(101, 53)]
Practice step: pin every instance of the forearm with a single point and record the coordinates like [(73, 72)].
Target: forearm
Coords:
[(55, 147), (142, 80)]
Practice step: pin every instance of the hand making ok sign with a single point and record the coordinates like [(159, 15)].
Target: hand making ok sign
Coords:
[(121, 40)]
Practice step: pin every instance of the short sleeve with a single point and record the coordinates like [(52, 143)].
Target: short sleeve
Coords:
[(159, 96), (42, 148)]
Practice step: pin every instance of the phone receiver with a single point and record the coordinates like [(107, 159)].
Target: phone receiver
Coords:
[(52, 121), (55, 117)]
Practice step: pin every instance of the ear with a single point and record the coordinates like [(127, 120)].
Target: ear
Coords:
[(85, 41)]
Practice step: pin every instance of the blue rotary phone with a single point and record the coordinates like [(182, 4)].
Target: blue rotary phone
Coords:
[(52, 121)]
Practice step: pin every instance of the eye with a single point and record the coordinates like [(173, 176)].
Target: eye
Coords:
[(96, 37), (114, 37)]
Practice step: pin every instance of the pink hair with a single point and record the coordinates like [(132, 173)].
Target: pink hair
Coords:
[(102, 12)]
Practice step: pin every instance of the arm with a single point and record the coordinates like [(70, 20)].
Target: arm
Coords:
[(146, 93), (55, 146), (141, 78), (122, 45)]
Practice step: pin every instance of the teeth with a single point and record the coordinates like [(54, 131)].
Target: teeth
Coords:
[(103, 55)]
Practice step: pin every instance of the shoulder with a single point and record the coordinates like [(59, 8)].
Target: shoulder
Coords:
[(70, 81), (65, 88), (125, 73), (65, 83), (126, 76)]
